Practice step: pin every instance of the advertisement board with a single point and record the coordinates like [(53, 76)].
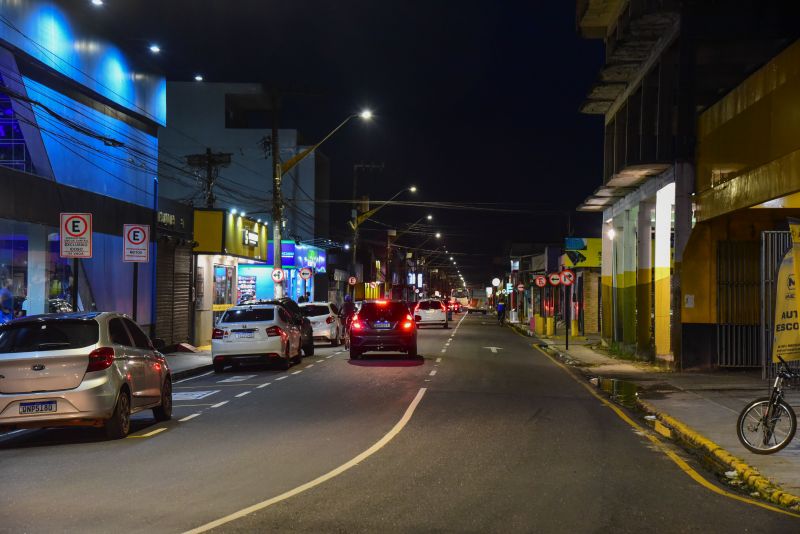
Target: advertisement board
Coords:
[(583, 251)]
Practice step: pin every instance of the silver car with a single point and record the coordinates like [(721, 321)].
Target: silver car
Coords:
[(86, 369)]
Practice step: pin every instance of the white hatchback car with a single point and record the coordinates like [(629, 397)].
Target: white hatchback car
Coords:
[(92, 369), (255, 333), (325, 321), (431, 312)]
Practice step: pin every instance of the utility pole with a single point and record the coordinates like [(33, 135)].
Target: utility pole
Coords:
[(354, 213), (210, 163), (277, 197)]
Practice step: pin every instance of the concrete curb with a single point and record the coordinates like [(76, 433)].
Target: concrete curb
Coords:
[(696, 442), (188, 373)]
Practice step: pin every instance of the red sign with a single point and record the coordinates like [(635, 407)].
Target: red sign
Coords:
[(136, 243), (521, 287), (541, 280), (554, 279), (277, 275), (76, 235), (305, 273), (567, 277), (352, 280)]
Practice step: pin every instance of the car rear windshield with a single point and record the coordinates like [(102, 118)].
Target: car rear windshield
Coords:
[(390, 311), (249, 315), (314, 310), (48, 335), (430, 305)]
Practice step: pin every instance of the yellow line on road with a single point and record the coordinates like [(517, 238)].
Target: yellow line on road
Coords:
[(319, 480), (150, 434), (680, 462)]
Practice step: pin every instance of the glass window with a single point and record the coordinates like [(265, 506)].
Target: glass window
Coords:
[(391, 311), (314, 310), (118, 334), (253, 315), (284, 315), (29, 336), (335, 309), (140, 340)]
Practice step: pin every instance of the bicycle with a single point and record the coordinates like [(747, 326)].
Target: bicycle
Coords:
[(768, 424)]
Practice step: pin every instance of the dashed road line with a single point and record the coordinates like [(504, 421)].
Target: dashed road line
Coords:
[(432, 373), (309, 366), (265, 384), (193, 377), (243, 393), (189, 405), (297, 372), (331, 356), (188, 417), (282, 378), (444, 350), (320, 361), (438, 360), (217, 405)]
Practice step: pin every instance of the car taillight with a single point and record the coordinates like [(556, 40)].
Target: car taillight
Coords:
[(274, 331), (217, 333), (442, 306), (356, 324), (329, 320), (408, 325), (416, 307), (408, 317), (100, 359)]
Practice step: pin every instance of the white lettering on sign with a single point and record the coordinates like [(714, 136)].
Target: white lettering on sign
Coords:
[(249, 239), (136, 243), (75, 235)]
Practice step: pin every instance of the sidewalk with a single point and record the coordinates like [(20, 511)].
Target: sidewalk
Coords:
[(186, 364), (697, 409)]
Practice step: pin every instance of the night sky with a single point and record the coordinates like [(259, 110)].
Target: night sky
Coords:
[(476, 102)]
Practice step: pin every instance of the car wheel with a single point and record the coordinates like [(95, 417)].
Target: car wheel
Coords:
[(119, 424), (412, 351), (219, 367), (308, 349), (335, 340), (355, 354), (163, 412), (446, 325)]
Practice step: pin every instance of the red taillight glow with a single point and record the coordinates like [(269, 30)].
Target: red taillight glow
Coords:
[(408, 325), (100, 359), (380, 302), (416, 308), (329, 320), (409, 318), (442, 306), (217, 333), (356, 324), (274, 331)]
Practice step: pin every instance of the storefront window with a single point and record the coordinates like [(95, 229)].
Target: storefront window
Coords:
[(13, 152), (223, 289)]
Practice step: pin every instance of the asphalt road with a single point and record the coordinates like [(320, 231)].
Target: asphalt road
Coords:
[(502, 441)]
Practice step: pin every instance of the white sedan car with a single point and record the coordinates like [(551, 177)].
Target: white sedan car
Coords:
[(431, 312), (92, 368), (325, 322), (257, 333)]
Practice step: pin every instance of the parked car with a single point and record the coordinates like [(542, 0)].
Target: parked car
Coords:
[(382, 325), (325, 321), (93, 369), (431, 312), (293, 308), (256, 333)]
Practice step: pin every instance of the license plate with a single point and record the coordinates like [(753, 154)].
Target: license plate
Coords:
[(382, 324), (32, 408), (245, 335)]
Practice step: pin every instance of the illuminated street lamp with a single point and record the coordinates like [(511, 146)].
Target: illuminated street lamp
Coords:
[(154, 48)]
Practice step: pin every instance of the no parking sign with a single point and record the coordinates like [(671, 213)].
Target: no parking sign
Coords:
[(75, 235), (136, 239)]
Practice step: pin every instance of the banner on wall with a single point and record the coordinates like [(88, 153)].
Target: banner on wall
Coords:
[(786, 326), (583, 251)]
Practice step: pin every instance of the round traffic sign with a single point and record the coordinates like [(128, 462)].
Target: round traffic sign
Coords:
[(76, 226), (416, 290), (520, 287), (136, 235), (352, 280), (567, 277), (554, 279), (277, 275), (495, 282), (373, 285), (541, 281), (305, 273)]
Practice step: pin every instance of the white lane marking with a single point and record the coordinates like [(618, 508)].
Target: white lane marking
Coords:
[(190, 405), (331, 356), (494, 349), (193, 377), (438, 360), (192, 395), (297, 372), (309, 366), (444, 350), (223, 403), (243, 393), (320, 361), (238, 378), (282, 378), (433, 373), (265, 384), (319, 480), (188, 417)]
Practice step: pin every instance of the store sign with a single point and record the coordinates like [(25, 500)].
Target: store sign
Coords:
[(75, 235), (136, 243), (294, 255), (167, 220), (249, 238), (583, 252)]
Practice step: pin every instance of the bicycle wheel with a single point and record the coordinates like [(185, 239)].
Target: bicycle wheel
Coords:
[(761, 436)]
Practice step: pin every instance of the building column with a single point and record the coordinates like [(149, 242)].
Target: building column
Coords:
[(644, 281), (665, 200), (607, 281), (628, 278), (37, 293), (682, 200)]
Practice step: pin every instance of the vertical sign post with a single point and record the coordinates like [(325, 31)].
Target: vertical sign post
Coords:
[(75, 237), (567, 279), (136, 250)]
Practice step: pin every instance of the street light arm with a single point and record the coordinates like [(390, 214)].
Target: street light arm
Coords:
[(365, 216), (297, 158)]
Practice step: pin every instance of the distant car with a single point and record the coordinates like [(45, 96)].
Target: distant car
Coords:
[(88, 369), (477, 305), (325, 322), (256, 333), (293, 308), (383, 325), (431, 312)]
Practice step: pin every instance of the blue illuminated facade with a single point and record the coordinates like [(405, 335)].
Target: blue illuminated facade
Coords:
[(78, 133)]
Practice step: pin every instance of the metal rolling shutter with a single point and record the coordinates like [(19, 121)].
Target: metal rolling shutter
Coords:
[(181, 293), (164, 290)]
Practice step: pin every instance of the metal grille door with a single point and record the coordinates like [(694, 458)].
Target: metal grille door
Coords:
[(737, 304)]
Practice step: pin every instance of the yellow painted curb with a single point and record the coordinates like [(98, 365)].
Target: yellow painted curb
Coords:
[(749, 475)]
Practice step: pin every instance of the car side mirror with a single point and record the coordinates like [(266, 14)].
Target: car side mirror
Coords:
[(158, 343), (418, 318)]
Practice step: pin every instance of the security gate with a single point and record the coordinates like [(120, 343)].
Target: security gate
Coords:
[(774, 246), (737, 304)]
